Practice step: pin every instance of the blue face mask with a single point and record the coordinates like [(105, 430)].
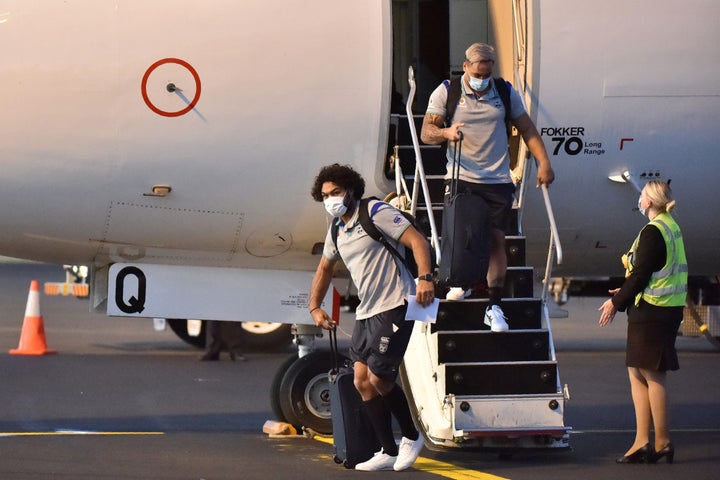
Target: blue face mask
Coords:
[(479, 84)]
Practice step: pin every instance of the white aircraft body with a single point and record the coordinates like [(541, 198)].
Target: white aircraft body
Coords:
[(171, 145), (624, 92)]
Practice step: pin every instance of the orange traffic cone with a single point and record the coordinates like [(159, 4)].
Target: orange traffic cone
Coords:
[(32, 337)]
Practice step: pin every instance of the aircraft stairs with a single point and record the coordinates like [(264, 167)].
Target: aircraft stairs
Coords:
[(471, 387)]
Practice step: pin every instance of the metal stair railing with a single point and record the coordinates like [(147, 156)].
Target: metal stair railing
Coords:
[(420, 180)]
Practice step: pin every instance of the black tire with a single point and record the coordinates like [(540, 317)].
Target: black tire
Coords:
[(275, 387), (179, 327), (256, 336), (305, 392), (265, 336)]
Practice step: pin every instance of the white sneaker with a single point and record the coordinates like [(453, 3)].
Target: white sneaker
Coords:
[(495, 319), (379, 461), (408, 452), (457, 293)]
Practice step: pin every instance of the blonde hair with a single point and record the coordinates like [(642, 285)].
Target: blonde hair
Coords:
[(660, 194), (479, 51)]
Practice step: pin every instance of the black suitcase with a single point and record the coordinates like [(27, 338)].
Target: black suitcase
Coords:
[(354, 439), (465, 243)]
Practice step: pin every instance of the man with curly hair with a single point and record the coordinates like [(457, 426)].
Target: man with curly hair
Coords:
[(381, 333)]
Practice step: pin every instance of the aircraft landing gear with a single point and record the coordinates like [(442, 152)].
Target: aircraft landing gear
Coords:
[(300, 391), (304, 392)]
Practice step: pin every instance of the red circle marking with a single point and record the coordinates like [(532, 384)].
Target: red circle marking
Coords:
[(155, 65)]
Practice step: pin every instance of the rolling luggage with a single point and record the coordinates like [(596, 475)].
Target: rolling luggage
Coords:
[(465, 244), (354, 439)]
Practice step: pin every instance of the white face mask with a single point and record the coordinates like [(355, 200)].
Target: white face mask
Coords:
[(335, 206), (642, 210), (479, 84)]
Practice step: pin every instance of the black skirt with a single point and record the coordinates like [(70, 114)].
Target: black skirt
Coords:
[(651, 335)]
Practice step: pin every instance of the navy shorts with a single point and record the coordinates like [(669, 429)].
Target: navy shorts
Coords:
[(498, 196), (375, 344)]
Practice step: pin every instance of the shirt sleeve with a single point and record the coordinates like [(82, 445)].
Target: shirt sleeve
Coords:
[(438, 100), (649, 258), (389, 220)]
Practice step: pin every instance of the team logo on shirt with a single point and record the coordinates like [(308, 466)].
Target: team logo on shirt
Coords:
[(397, 219), (384, 344)]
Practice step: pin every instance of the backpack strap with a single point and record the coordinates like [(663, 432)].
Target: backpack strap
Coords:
[(503, 88), (334, 231), (454, 86), (365, 218)]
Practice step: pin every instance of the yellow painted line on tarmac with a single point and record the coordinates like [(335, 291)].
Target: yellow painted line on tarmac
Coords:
[(443, 469), (72, 432)]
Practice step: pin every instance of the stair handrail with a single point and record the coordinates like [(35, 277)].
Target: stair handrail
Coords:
[(554, 235), (555, 247), (420, 178), (554, 242)]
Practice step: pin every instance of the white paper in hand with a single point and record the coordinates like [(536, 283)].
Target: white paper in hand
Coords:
[(415, 311)]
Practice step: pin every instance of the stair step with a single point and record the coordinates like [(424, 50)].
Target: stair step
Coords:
[(518, 283), (484, 346), (521, 314), (515, 250), (500, 378)]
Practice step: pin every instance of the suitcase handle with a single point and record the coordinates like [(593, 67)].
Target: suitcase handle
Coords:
[(455, 176), (334, 351)]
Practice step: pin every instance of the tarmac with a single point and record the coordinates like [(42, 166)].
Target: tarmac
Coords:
[(121, 401)]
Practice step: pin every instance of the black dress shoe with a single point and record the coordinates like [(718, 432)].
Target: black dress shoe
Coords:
[(210, 357), (668, 451), (644, 454), (237, 356)]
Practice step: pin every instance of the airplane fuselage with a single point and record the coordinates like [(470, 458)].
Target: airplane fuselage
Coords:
[(167, 133)]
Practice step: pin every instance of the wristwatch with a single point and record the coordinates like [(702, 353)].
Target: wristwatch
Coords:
[(427, 277)]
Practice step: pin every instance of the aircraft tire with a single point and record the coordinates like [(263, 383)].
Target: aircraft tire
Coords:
[(305, 392), (256, 336), (179, 328), (275, 387), (264, 336)]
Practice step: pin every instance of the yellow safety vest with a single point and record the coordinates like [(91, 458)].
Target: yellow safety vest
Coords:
[(667, 286)]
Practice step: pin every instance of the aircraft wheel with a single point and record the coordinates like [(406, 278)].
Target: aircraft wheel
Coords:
[(256, 335), (179, 328), (275, 387), (263, 335), (305, 392)]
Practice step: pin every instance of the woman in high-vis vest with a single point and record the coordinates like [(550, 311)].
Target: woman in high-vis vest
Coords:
[(653, 294)]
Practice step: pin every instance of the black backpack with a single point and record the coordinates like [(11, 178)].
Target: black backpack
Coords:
[(369, 226), (455, 91)]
